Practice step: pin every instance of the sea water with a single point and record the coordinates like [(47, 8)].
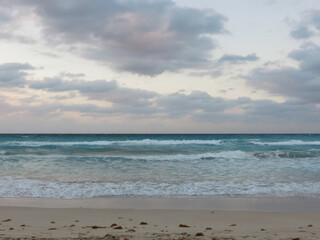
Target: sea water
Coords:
[(89, 166)]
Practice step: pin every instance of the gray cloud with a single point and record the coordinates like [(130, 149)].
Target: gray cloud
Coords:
[(301, 83), (59, 85), (5, 14), (301, 32), (9, 26), (308, 56), (178, 104), (13, 74), (236, 59), (145, 36), (315, 18), (197, 106)]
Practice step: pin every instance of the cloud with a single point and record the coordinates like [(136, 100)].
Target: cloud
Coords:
[(146, 37), (315, 18), (302, 83), (59, 85), (301, 32), (308, 56), (132, 105), (114, 101), (9, 19), (13, 74), (5, 14), (236, 59)]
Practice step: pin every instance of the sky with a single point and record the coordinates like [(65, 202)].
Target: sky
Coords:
[(159, 66)]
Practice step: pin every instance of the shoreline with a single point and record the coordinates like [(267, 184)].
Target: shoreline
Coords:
[(160, 218), (274, 204)]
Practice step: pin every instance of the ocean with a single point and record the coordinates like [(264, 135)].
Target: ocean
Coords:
[(174, 165)]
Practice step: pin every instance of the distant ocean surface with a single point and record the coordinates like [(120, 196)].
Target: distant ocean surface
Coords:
[(89, 166)]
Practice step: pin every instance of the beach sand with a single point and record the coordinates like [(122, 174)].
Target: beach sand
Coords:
[(48, 220)]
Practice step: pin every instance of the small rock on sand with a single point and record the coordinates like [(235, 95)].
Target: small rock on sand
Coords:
[(199, 234), (117, 227), (183, 226)]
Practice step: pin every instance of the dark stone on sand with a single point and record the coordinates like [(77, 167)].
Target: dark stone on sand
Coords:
[(208, 228), (200, 234), (262, 229), (111, 237), (295, 238), (11, 228), (233, 225), (118, 227), (72, 225), (53, 222), (183, 226), (7, 220), (22, 225), (113, 225), (143, 223), (96, 227), (310, 225), (52, 229)]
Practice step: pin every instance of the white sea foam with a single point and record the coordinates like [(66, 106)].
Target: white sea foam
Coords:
[(184, 157), (36, 188), (106, 143), (287, 143)]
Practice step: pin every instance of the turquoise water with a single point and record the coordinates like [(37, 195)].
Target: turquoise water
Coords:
[(87, 166)]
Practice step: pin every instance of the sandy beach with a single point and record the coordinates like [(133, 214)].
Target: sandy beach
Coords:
[(58, 219)]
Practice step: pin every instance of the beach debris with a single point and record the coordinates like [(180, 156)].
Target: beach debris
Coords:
[(199, 234), (143, 223), (310, 225), (113, 225), (131, 230), (22, 225), (53, 222), (72, 225), (208, 228), (52, 229), (183, 225), (111, 237), (11, 228), (233, 225), (7, 220), (117, 227), (262, 229), (96, 227), (296, 238)]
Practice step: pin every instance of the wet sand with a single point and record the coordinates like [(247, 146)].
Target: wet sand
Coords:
[(134, 218)]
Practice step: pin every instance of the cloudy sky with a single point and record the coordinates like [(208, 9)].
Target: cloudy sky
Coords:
[(159, 66)]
